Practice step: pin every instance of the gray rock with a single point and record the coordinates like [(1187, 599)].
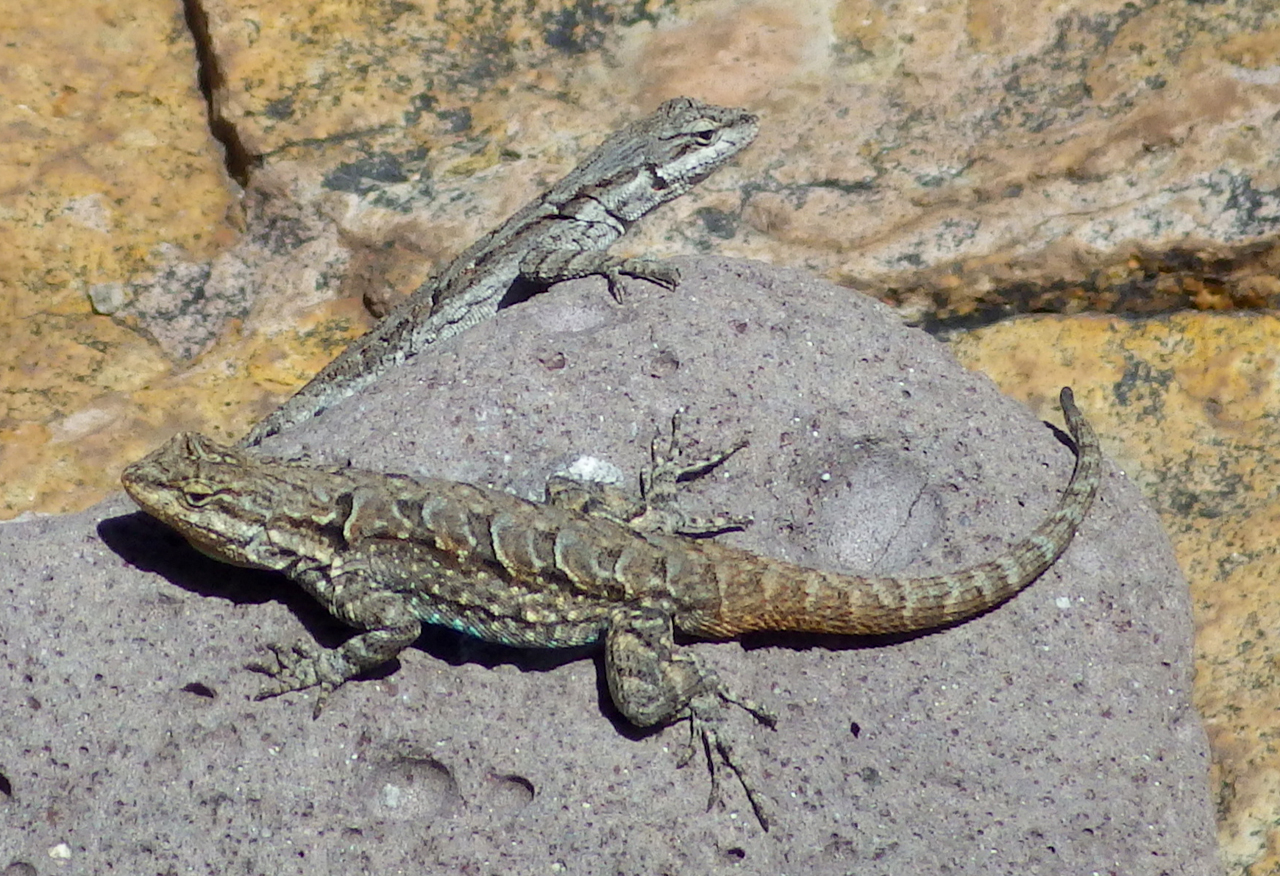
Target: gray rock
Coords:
[(1051, 735)]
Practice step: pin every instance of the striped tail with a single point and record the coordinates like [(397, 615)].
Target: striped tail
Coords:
[(762, 594)]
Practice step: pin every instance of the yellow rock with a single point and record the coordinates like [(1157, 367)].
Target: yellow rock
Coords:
[(1189, 406)]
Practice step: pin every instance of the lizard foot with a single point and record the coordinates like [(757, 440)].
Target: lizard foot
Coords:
[(667, 470), (299, 666), (657, 271), (707, 732), (656, 509)]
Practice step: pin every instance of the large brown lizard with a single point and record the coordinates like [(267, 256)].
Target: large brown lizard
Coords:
[(387, 553)]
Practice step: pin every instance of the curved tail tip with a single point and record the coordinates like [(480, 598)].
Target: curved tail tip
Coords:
[(1075, 420)]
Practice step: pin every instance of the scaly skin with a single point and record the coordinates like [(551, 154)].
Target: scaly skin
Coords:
[(559, 236), (387, 553)]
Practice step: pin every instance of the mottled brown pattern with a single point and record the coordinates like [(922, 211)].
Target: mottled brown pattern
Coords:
[(387, 553), (757, 593)]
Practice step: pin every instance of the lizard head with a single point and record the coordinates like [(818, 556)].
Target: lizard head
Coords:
[(696, 138), (219, 498), (660, 156)]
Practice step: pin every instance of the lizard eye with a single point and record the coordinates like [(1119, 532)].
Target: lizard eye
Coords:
[(197, 493), (706, 136)]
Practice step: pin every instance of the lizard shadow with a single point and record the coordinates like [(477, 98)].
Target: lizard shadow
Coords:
[(151, 546), (520, 291), (147, 544)]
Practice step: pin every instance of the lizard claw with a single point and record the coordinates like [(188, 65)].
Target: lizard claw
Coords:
[(706, 726), (294, 667), (655, 271), (659, 484)]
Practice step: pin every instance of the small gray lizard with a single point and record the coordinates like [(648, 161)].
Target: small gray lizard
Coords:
[(559, 236), (387, 553)]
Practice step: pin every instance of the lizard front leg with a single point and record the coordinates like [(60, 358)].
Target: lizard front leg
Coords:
[(652, 683), (554, 265), (353, 596)]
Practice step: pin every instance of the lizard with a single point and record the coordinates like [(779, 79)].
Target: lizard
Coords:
[(560, 235), (387, 553)]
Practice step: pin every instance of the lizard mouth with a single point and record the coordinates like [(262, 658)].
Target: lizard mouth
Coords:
[(213, 546)]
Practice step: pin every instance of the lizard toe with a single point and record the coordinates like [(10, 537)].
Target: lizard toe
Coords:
[(291, 667), (707, 715)]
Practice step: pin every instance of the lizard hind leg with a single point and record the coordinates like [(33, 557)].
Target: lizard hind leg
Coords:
[(656, 509), (652, 683), (667, 470)]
